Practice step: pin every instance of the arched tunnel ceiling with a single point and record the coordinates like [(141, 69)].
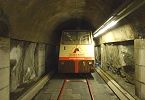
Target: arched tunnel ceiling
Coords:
[(38, 20)]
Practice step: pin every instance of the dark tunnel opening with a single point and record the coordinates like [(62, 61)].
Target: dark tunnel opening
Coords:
[(4, 30), (72, 24)]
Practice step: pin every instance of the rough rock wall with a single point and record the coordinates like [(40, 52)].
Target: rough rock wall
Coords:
[(98, 55), (40, 59), (119, 59), (27, 62)]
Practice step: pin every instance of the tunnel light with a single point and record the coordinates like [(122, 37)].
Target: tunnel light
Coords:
[(119, 15), (108, 26)]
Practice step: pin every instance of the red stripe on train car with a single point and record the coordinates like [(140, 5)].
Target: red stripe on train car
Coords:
[(76, 58)]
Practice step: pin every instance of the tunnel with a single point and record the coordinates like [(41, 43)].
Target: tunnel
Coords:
[(31, 45)]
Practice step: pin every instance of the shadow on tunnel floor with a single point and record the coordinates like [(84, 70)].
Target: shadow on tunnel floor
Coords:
[(73, 76)]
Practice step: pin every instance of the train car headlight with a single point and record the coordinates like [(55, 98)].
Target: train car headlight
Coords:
[(90, 62)]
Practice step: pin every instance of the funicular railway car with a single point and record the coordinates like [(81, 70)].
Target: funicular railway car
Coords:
[(76, 53)]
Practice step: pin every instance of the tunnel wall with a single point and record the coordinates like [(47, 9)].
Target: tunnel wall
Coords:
[(98, 54), (123, 32), (117, 50), (28, 63), (4, 68), (22, 63), (52, 57), (131, 28), (31, 20), (140, 67), (119, 59)]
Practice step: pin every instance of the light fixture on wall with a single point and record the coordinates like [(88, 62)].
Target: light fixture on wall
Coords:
[(105, 28), (117, 16)]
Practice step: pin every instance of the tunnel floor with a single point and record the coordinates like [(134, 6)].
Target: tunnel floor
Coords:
[(76, 87)]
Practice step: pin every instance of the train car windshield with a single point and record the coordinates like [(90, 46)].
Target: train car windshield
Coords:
[(76, 37)]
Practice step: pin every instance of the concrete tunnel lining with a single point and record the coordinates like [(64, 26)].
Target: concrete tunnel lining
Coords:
[(35, 20)]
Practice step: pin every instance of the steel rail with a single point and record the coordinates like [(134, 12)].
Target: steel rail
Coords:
[(61, 90), (90, 92)]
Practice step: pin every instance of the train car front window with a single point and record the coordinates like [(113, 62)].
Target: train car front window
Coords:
[(69, 38), (84, 38), (76, 37)]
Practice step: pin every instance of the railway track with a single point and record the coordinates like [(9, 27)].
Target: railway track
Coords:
[(89, 88), (116, 88), (76, 87), (72, 86), (67, 80)]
